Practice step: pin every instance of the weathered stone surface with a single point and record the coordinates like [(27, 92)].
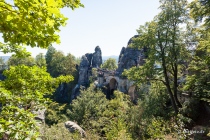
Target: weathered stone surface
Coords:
[(83, 71), (131, 39), (72, 127), (89, 58), (130, 57), (40, 114), (88, 61), (97, 58)]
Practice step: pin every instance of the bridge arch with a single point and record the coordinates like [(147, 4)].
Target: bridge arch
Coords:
[(112, 86)]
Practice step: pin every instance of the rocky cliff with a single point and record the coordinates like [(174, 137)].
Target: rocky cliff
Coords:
[(130, 57), (88, 61)]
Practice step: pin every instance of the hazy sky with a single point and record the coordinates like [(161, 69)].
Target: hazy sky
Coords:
[(106, 23)]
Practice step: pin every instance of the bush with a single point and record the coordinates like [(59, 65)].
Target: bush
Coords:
[(88, 108), (55, 113), (59, 132)]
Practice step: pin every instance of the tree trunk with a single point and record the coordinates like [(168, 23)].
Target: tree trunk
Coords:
[(168, 85), (176, 86)]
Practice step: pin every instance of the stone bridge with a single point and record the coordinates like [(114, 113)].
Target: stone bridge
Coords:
[(112, 81)]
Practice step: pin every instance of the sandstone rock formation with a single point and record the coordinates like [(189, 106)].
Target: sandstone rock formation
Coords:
[(97, 58), (112, 80), (88, 61), (72, 127), (130, 57), (84, 71)]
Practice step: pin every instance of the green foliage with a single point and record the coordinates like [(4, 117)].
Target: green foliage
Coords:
[(154, 102), (94, 75), (78, 60), (33, 23), (190, 109), (197, 81), (15, 60), (92, 111), (22, 92), (40, 60), (59, 132), (118, 131), (148, 118), (116, 118), (48, 57), (59, 64), (110, 64), (55, 113), (88, 108), (56, 64), (200, 10), (166, 49)]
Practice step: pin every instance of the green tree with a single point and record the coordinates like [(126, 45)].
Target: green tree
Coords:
[(48, 57), (69, 64), (57, 64), (33, 23), (199, 10), (166, 48), (109, 64), (21, 93), (78, 60), (15, 60), (198, 82), (88, 108), (40, 60)]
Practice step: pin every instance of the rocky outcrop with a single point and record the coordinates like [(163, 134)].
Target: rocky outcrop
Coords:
[(88, 61), (73, 127), (130, 57), (97, 58), (84, 71)]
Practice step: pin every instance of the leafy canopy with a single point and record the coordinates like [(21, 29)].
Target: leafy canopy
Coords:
[(14, 60), (109, 64), (21, 92), (166, 48), (34, 23)]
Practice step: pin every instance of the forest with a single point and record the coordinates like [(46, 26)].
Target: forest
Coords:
[(172, 86)]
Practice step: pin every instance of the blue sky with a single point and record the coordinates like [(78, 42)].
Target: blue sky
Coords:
[(105, 23)]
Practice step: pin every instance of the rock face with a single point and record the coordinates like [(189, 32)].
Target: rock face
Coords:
[(88, 61), (84, 71), (72, 127), (97, 58), (130, 57)]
